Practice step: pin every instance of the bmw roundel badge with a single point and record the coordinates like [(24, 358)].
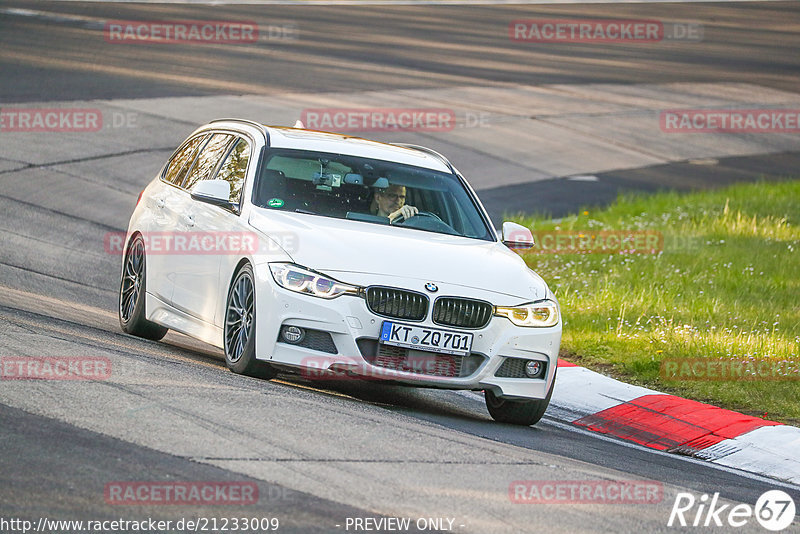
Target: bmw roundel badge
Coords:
[(431, 287)]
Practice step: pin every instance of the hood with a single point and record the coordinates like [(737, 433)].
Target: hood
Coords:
[(340, 247)]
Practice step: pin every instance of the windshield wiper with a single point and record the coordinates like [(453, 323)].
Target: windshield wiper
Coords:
[(307, 212)]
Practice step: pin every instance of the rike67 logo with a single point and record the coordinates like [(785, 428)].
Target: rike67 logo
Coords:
[(774, 510)]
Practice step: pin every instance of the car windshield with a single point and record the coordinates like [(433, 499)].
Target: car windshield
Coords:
[(345, 187)]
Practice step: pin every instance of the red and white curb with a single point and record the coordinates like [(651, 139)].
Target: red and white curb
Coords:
[(673, 424)]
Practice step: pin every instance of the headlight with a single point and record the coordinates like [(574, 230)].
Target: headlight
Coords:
[(536, 314), (302, 280)]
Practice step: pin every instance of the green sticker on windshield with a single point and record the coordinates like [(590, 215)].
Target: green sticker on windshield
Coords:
[(275, 203)]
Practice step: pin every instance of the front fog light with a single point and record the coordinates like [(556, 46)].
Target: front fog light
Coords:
[(292, 334), (533, 368)]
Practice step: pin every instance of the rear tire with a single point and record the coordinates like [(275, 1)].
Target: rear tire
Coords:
[(240, 328), (132, 290), (517, 412)]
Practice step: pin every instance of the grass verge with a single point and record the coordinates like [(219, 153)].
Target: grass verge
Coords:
[(720, 293)]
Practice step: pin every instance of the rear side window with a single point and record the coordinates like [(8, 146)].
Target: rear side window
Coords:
[(209, 159), (234, 169), (182, 161)]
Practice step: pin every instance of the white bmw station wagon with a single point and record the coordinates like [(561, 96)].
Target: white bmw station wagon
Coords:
[(330, 256)]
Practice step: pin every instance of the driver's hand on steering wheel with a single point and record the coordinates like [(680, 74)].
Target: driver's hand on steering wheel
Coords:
[(406, 212)]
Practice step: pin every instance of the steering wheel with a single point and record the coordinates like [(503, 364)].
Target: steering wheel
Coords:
[(402, 219)]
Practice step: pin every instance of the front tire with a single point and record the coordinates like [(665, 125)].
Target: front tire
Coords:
[(132, 290), (517, 412), (240, 328)]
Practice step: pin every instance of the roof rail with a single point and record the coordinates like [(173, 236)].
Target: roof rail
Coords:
[(428, 151), (246, 121), (261, 127)]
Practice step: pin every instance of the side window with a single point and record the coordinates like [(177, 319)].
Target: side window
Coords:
[(208, 160), (180, 164), (234, 169)]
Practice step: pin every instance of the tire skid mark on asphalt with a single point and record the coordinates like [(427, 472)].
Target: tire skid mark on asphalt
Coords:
[(122, 348), (35, 214), (214, 427), (53, 276), (85, 66), (103, 226), (207, 361), (552, 121), (37, 239), (329, 392), (111, 186), (20, 298), (29, 166)]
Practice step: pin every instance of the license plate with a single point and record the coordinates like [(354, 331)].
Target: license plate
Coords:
[(424, 338)]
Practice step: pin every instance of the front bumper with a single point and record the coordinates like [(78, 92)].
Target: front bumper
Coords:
[(354, 331)]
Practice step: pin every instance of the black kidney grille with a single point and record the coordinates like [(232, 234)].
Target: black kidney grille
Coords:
[(465, 313), (397, 303)]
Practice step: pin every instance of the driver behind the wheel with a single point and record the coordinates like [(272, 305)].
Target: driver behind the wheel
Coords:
[(391, 202)]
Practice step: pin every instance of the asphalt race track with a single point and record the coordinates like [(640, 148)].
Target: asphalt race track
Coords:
[(318, 453)]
